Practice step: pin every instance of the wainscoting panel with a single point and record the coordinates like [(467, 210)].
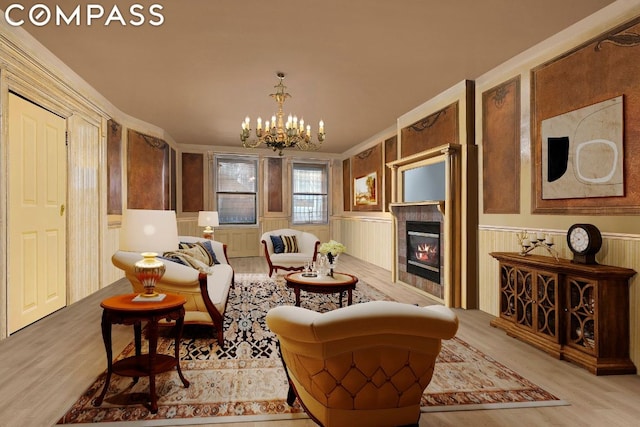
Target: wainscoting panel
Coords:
[(621, 250), (189, 227), (241, 242), (83, 275), (370, 239), (110, 273), (275, 223)]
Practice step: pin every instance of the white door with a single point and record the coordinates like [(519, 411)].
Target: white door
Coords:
[(36, 213)]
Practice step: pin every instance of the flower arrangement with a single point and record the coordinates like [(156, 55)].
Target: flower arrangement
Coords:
[(332, 247)]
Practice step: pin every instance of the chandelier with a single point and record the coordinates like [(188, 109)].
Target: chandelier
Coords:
[(277, 134)]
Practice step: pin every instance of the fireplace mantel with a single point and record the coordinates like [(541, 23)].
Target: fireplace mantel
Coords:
[(440, 204), (418, 158)]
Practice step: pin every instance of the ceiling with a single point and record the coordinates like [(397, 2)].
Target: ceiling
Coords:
[(356, 64)]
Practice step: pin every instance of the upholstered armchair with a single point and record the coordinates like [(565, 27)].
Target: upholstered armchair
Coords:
[(282, 256), (367, 364), (205, 288)]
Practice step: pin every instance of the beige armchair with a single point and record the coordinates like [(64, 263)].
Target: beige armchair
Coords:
[(206, 291), (283, 259), (367, 364)]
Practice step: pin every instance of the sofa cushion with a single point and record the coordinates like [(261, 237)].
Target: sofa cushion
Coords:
[(278, 245), (290, 244), (294, 259)]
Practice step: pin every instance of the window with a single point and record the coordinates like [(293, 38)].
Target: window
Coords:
[(309, 200), (236, 189)]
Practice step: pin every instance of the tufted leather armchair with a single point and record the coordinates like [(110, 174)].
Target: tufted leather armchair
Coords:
[(367, 364)]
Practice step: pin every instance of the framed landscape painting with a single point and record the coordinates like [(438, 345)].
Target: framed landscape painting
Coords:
[(364, 189)]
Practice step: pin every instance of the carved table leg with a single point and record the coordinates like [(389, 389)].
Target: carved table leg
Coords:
[(106, 337), (179, 326)]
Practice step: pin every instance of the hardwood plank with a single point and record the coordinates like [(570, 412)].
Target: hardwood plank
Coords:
[(46, 366)]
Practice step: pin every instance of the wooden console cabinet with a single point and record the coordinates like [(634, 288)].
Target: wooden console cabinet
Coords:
[(575, 312)]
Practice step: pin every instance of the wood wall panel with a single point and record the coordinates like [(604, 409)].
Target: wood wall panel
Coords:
[(114, 168), (148, 172), (362, 164), (275, 179), (173, 194), (346, 185), (601, 69), (501, 148), (192, 182), (434, 130), (390, 154)]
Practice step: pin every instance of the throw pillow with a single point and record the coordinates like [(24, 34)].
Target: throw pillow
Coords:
[(278, 246), (290, 243), (198, 251)]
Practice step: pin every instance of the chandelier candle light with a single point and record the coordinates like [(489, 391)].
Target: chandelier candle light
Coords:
[(277, 134)]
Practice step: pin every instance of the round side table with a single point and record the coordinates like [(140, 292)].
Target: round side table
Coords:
[(121, 309)]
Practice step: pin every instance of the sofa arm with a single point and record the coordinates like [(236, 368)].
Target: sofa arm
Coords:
[(308, 243), (175, 274)]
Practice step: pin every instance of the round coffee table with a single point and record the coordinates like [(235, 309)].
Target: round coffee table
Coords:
[(339, 283)]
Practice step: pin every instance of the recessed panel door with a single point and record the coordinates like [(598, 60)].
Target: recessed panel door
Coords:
[(36, 213)]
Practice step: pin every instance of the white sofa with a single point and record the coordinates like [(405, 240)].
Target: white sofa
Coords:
[(290, 261), (365, 364), (206, 294)]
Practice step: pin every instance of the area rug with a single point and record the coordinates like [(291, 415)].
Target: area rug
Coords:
[(246, 382)]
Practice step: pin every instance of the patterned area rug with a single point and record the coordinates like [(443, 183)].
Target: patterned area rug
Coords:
[(246, 381)]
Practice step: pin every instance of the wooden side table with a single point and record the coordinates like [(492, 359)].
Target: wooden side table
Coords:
[(122, 309)]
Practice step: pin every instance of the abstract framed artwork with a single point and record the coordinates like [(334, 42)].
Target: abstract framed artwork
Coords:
[(582, 152)]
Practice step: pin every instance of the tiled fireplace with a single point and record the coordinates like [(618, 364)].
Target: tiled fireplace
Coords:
[(420, 239), (423, 249)]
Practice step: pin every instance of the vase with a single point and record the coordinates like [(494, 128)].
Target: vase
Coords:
[(149, 270), (332, 260)]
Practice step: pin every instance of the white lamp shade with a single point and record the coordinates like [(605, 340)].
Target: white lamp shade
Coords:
[(206, 218), (145, 230)]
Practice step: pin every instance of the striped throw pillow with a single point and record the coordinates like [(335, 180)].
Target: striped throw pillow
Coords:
[(290, 243)]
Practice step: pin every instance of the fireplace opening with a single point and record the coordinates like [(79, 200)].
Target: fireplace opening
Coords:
[(423, 249)]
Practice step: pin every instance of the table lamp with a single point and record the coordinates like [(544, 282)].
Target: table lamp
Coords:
[(149, 232), (208, 220)]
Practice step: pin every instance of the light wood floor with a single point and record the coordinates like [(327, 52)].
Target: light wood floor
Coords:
[(45, 367)]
